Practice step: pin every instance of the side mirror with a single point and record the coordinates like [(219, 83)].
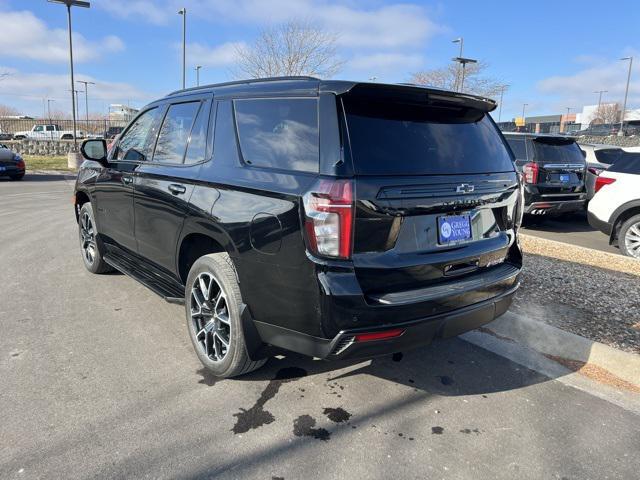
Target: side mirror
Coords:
[(95, 149)]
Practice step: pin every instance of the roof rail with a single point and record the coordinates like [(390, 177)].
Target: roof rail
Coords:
[(243, 82)]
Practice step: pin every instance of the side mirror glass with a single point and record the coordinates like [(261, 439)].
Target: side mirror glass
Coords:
[(95, 149)]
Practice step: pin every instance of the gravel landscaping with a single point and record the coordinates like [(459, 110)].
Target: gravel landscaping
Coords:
[(601, 304)]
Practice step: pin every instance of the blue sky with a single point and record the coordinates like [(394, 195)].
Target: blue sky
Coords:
[(552, 54)]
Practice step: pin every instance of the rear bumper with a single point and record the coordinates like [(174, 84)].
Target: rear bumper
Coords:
[(554, 207), (11, 171), (595, 222), (416, 333)]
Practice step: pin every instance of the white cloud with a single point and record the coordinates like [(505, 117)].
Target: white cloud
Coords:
[(577, 89), (146, 10), (26, 36), (30, 88), (377, 64), (216, 56)]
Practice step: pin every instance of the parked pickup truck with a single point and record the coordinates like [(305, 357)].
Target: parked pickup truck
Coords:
[(48, 132)]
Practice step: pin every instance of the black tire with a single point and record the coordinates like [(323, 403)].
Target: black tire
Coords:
[(90, 246), (232, 360), (529, 220), (625, 229), (17, 177)]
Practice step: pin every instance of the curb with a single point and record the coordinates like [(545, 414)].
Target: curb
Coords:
[(593, 359)]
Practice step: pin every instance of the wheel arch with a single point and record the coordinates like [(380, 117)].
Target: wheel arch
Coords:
[(621, 215), (80, 198)]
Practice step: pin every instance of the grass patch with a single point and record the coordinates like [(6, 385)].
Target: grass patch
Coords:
[(38, 162)]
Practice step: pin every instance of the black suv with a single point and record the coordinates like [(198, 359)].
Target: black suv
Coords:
[(331, 218), (553, 170)]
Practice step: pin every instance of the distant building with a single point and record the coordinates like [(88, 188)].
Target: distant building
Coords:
[(121, 113)]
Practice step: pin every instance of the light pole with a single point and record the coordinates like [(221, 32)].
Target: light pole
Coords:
[(69, 4), (86, 99), (502, 90), (524, 120), (198, 67), (566, 119), (463, 62), (626, 94), (459, 40), (600, 92), (49, 100), (183, 12)]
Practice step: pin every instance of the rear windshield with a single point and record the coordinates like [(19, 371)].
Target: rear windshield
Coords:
[(627, 163), (518, 146), (392, 138), (553, 150), (608, 156)]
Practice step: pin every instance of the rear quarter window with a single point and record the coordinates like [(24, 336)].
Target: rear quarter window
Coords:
[(394, 138), (279, 133)]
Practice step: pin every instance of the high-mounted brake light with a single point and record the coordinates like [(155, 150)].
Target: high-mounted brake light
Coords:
[(328, 209), (602, 181), (530, 171)]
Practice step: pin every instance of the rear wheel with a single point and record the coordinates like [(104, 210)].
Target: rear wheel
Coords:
[(213, 304), (629, 237), (89, 245)]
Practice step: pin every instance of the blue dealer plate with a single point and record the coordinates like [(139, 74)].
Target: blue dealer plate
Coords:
[(2, 169), (565, 178), (453, 228)]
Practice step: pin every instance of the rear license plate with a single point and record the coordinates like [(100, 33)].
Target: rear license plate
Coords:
[(453, 228), (564, 178)]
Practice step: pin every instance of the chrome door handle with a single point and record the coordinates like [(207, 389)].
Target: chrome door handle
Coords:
[(177, 189), (127, 180)]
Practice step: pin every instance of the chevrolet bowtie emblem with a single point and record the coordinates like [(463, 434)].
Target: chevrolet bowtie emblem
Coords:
[(465, 188)]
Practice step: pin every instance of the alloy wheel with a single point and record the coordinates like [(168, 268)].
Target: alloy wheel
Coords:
[(88, 238), (210, 317), (632, 240)]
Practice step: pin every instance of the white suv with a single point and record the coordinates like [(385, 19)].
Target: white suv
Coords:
[(615, 208)]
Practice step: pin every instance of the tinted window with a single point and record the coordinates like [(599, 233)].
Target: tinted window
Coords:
[(608, 156), (135, 144), (174, 133), (627, 163), (198, 142), (518, 146), (225, 147), (557, 151), (393, 138), (279, 133)]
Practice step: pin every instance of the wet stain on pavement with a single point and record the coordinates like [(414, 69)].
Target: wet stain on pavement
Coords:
[(257, 416), (396, 357), (468, 431), (337, 415), (446, 380), (303, 427), (437, 430)]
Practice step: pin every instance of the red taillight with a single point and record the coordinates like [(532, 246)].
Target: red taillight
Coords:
[(20, 164), (530, 171), (602, 181), (328, 209), (370, 337)]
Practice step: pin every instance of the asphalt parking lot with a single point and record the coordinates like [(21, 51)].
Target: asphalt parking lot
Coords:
[(99, 381), (573, 229)]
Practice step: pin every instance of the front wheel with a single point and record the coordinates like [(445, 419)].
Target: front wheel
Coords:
[(92, 254), (629, 237), (213, 304)]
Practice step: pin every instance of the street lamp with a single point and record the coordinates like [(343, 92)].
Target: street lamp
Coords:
[(183, 12), (459, 40), (86, 99), (198, 67), (626, 93), (502, 90), (69, 4), (49, 100), (524, 120), (600, 92), (566, 118), (463, 61)]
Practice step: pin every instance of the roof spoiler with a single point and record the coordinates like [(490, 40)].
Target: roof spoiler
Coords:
[(410, 92)]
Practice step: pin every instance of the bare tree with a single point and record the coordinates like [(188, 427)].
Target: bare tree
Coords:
[(4, 75), (6, 111), (448, 77), (606, 113), (292, 48)]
